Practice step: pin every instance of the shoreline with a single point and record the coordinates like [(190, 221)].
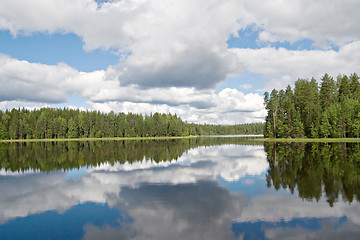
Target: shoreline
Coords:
[(92, 139), (305, 140), (253, 137)]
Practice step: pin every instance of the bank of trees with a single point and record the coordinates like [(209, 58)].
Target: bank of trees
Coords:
[(330, 109), (68, 123)]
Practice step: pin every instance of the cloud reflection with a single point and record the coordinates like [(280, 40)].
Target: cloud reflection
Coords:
[(167, 199), (186, 211), (40, 192), (231, 162), (328, 230), (283, 206)]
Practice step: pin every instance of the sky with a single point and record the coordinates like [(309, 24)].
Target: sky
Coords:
[(208, 61)]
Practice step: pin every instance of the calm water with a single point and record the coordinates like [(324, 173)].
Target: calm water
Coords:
[(206, 188)]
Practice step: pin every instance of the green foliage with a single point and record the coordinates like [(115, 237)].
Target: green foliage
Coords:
[(68, 123), (330, 110)]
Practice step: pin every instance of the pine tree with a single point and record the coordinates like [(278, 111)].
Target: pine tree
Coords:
[(355, 86), (327, 91), (344, 87)]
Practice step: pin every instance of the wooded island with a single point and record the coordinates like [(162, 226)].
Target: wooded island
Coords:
[(49, 123), (328, 110)]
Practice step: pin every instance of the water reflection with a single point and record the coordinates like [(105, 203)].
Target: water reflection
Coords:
[(205, 163), (53, 156), (203, 210), (196, 190), (316, 169)]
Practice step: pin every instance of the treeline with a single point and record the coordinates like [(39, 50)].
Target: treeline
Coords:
[(315, 170), (68, 123), (328, 110), (67, 155)]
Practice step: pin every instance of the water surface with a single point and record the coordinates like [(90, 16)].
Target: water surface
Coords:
[(205, 188)]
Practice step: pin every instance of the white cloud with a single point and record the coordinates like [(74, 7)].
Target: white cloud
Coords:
[(229, 106), (79, 16), (170, 27), (37, 85), (324, 21), (169, 43), (182, 46), (282, 66), (246, 86), (21, 104), (24, 81), (171, 55)]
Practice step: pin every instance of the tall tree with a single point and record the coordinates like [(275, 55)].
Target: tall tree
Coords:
[(327, 91), (355, 86), (306, 95), (344, 86), (272, 106)]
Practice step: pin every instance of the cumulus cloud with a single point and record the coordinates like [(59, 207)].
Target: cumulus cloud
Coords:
[(26, 104), (172, 56), (199, 68), (229, 106), (282, 66), (24, 81), (80, 17), (167, 43), (39, 84), (324, 21), (170, 27)]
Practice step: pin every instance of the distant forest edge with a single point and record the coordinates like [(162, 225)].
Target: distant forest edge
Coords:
[(68, 123), (328, 110)]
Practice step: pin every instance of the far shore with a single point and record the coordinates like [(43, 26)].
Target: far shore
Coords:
[(305, 140), (254, 138), (93, 139)]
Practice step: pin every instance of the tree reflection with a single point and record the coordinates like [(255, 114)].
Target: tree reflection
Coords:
[(315, 169), (53, 156)]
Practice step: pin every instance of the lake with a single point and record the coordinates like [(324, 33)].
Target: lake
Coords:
[(198, 188)]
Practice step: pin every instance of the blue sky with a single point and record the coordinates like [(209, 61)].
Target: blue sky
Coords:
[(208, 63), (54, 48)]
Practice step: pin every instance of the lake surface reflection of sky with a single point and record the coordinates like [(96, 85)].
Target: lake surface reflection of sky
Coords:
[(216, 192)]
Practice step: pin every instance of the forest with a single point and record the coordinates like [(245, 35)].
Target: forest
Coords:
[(330, 109), (50, 123)]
